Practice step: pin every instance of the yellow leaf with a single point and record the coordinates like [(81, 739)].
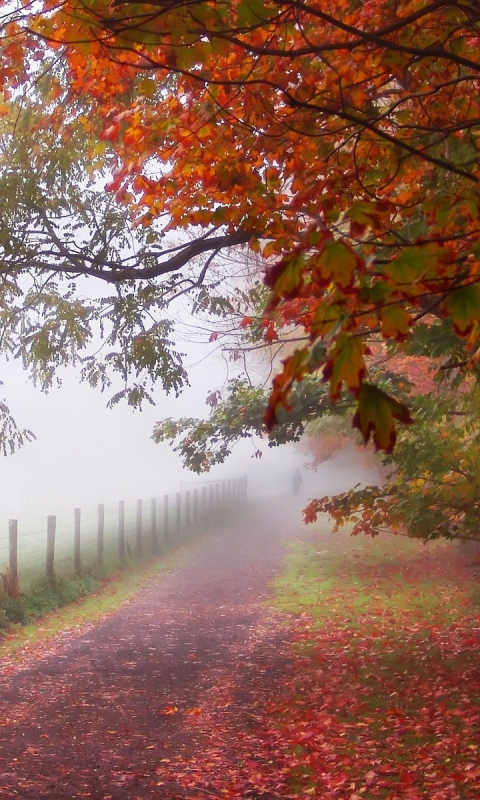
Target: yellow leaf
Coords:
[(337, 263), (395, 322)]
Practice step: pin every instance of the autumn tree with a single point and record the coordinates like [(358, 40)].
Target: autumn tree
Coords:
[(57, 226), (340, 141)]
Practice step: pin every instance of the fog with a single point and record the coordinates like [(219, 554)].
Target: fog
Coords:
[(86, 454)]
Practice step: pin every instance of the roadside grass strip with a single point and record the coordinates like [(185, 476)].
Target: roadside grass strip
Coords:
[(384, 701)]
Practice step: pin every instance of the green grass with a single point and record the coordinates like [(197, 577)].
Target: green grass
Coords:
[(390, 574), (386, 635)]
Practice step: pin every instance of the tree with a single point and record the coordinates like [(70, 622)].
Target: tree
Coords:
[(433, 489), (341, 142), (240, 414), (57, 226), (431, 481)]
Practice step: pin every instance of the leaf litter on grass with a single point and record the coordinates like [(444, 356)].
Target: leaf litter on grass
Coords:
[(384, 701)]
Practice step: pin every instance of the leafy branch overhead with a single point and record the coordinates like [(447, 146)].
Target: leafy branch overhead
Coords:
[(239, 415), (339, 142)]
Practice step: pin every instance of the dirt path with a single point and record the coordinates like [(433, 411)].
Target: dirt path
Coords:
[(160, 699)]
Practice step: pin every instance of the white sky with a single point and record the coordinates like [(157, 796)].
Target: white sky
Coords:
[(85, 454)]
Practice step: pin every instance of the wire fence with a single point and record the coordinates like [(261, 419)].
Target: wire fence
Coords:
[(112, 535)]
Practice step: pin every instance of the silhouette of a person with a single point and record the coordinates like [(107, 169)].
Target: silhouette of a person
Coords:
[(297, 483)]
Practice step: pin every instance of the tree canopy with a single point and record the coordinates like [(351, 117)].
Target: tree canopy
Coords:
[(339, 141)]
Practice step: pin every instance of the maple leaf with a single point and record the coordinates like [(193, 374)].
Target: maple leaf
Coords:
[(463, 306), (337, 263), (395, 322), (375, 415), (285, 276), (346, 364), (295, 368), (368, 214), (415, 264)]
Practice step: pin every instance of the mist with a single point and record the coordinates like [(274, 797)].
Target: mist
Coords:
[(86, 454)]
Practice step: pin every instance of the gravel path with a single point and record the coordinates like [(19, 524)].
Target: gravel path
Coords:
[(125, 708)]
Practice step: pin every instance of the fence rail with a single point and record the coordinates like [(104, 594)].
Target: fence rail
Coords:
[(112, 535)]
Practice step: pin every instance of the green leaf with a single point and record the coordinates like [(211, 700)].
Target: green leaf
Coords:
[(346, 365), (463, 307), (375, 415), (251, 13), (414, 264)]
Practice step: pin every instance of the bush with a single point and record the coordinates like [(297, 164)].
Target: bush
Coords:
[(45, 595)]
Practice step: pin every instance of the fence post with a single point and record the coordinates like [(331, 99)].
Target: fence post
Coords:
[(178, 515), (223, 493), (13, 556), (50, 565), (195, 508), (139, 531), (217, 494), (211, 500), (153, 518), (187, 512), (166, 520), (121, 530), (100, 533), (204, 504), (76, 543)]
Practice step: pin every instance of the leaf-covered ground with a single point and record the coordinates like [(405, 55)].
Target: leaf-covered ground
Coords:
[(362, 682), (154, 699), (385, 699)]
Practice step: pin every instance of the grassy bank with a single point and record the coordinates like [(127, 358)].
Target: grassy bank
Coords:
[(385, 699)]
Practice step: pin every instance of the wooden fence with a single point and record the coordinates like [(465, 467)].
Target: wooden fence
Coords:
[(115, 536)]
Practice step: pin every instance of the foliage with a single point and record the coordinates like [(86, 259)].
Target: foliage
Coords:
[(45, 595), (433, 489), (11, 437), (56, 224), (239, 415), (340, 140), (431, 482)]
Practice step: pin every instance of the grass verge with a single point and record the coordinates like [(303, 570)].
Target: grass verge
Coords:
[(385, 700)]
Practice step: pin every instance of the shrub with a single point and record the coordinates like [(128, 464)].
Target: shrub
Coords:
[(45, 595)]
